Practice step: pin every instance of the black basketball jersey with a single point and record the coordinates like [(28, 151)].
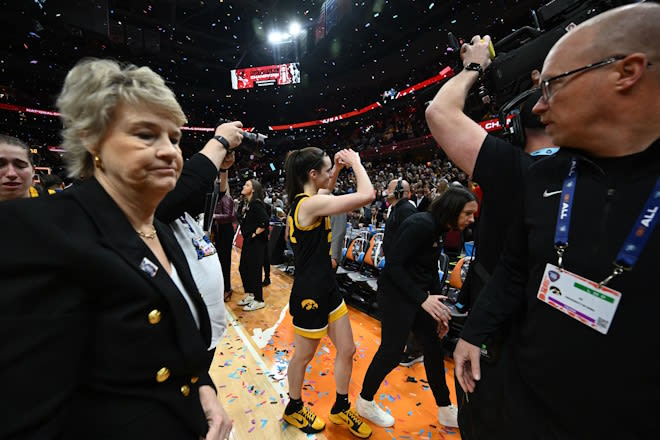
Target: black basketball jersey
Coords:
[(311, 250)]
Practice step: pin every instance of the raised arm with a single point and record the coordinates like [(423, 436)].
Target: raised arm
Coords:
[(224, 170), (198, 175), (459, 136), (214, 150)]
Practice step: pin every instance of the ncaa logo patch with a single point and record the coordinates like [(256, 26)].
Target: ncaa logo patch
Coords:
[(309, 304)]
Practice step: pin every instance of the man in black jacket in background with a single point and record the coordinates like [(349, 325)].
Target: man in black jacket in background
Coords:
[(398, 193)]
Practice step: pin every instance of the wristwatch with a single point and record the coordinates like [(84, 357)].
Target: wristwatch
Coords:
[(476, 67), (223, 141)]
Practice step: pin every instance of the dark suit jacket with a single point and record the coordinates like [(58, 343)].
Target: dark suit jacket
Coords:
[(92, 345), (255, 217), (424, 204)]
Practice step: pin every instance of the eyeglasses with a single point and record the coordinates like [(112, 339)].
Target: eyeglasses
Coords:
[(545, 84)]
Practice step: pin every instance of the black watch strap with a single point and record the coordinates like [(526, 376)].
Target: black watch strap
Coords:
[(223, 141), (476, 67)]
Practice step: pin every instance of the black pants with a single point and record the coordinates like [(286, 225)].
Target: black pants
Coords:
[(413, 346), (484, 414), (224, 236), (398, 318), (252, 261), (109, 417), (266, 264)]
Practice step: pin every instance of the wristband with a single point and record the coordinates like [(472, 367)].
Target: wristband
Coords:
[(476, 67), (223, 141)]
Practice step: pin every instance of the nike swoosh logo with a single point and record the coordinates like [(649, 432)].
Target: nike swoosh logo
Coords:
[(549, 194), (300, 419)]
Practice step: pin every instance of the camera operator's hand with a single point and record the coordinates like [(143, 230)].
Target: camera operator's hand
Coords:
[(232, 131), (216, 151), (477, 51)]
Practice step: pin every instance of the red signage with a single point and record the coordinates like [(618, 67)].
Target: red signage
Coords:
[(278, 74), (445, 73), (329, 120)]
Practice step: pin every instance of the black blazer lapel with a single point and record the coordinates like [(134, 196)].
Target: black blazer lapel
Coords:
[(116, 233)]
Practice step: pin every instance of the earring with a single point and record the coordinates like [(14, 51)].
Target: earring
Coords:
[(97, 163)]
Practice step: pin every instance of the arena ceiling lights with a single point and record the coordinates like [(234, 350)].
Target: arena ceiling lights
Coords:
[(278, 37)]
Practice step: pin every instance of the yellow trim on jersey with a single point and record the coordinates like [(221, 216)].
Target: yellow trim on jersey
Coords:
[(337, 313), (295, 219), (311, 334), (289, 221)]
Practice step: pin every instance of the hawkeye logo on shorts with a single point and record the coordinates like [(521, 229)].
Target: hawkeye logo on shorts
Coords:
[(309, 304)]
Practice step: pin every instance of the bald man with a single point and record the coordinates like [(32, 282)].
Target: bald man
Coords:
[(401, 207), (581, 261), (398, 211)]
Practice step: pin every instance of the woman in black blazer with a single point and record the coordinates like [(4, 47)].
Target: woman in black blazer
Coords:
[(104, 332), (254, 229)]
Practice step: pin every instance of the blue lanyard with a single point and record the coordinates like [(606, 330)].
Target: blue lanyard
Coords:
[(634, 243)]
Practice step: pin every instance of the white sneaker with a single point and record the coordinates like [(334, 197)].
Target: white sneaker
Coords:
[(372, 412), (246, 300), (448, 416), (254, 305)]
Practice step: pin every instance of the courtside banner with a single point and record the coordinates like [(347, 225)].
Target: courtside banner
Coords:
[(277, 74)]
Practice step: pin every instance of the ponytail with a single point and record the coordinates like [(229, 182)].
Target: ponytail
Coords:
[(298, 165)]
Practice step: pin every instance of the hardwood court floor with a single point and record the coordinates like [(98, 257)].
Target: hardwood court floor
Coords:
[(249, 370)]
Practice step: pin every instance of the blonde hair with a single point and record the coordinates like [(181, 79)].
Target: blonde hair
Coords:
[(92, 91)]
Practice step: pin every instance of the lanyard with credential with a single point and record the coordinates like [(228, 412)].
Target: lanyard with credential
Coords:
[(636, 240)]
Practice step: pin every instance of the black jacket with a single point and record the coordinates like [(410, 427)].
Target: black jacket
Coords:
[(399, 212), (563, 362), (86, 330), (255, 217), (411, 267), (424, 204)]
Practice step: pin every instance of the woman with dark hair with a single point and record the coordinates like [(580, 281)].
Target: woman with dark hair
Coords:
[(254, 224), (316, 305), (408, 300)]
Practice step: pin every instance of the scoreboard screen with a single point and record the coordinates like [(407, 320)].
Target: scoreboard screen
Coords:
[(278, 74)]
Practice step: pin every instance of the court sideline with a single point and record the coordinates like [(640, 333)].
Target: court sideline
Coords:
[(249, 369)]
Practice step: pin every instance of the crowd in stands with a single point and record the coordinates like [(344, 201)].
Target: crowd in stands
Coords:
[(428, 171)]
